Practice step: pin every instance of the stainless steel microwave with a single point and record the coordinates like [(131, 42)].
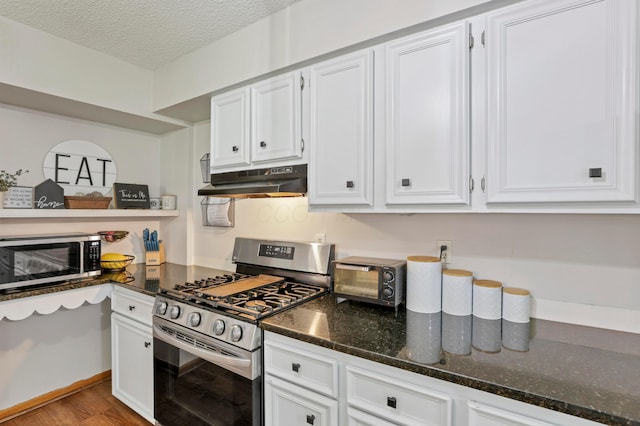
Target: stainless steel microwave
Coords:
[(371, 280), (37, 260)]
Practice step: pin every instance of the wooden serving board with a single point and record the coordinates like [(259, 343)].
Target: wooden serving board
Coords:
[(242, 285)]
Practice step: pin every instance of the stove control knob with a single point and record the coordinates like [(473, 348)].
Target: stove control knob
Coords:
[(235, 333), (161, 309), (218, 327), (194, 319), (174, 312)]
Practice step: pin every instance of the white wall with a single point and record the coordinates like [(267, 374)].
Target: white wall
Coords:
[(44, 63), (303, 31), (47, 352)]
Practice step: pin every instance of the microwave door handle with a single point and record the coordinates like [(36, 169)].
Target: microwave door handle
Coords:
[(353, 267)]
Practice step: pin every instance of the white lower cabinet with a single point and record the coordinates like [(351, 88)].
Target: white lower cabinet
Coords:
[(372, 394), (132, 350)]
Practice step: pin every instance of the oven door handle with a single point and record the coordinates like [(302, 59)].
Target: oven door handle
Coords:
[(243, 366)]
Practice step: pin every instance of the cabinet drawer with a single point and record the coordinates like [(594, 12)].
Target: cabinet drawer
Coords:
[(402, 403), (132, 304), (288, 404), (315, 372), (360, 418)]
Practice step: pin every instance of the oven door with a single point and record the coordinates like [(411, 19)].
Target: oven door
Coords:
[(201, 381)]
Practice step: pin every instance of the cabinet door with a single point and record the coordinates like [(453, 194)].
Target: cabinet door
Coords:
[(428, 118), (341, 139), (276, 114), (562, 95), (132, 364), (287, 404), (230, 129)]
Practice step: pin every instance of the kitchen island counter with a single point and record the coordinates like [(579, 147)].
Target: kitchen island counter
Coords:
[(582, 371)]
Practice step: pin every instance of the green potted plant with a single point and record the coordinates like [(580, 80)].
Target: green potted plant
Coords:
[(7, 180)]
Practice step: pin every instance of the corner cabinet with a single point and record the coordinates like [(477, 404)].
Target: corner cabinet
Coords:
[(341, 131), (562, 84), (132, 350), (259, 125), (427, 117), (307, 384)]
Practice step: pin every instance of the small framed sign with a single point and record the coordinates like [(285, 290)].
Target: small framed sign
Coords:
[(131, 196), (19, 197), (48, 195)]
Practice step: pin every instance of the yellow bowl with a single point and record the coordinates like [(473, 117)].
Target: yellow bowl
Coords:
[(117, 265)]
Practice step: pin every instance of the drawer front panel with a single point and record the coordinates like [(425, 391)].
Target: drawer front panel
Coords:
[(398, 402), (315, 372), (132, 305)]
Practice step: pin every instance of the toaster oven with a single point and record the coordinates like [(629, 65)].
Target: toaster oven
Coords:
[(370, 280)]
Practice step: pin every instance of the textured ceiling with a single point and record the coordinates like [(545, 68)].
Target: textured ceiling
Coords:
[(147, 33)]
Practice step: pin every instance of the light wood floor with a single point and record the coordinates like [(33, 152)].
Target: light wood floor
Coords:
[(91, 406)]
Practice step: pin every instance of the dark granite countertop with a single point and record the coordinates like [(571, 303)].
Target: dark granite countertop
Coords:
[(583, 371)]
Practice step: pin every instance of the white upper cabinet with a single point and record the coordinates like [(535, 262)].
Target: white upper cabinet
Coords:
[(341, 131), (230, 129), (427, 117), (276, 118), (259, 125), (562, 84)]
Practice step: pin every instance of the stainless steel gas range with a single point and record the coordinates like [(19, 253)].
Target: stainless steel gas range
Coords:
[(207, 339)]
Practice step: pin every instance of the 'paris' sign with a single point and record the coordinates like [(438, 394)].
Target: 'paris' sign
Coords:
[(80, 167)]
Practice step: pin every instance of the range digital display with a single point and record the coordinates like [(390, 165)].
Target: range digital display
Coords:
[(276, 251)]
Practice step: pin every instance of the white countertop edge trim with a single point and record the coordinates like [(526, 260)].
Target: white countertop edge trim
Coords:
[(45, 304), (611, 318)]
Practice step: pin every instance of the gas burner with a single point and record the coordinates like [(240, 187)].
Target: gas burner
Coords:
[(258, 306)]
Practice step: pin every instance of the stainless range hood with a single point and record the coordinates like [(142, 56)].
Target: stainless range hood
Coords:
[(286, 181)]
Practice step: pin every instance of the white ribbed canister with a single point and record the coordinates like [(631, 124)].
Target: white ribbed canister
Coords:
[(424, 284), (457, 290), (516, 304), (487, 299)]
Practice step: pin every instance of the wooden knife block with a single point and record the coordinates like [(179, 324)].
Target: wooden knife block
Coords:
[(155, 257)]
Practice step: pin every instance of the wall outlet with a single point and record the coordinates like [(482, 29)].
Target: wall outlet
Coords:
[(321, 238), (447, 253)]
